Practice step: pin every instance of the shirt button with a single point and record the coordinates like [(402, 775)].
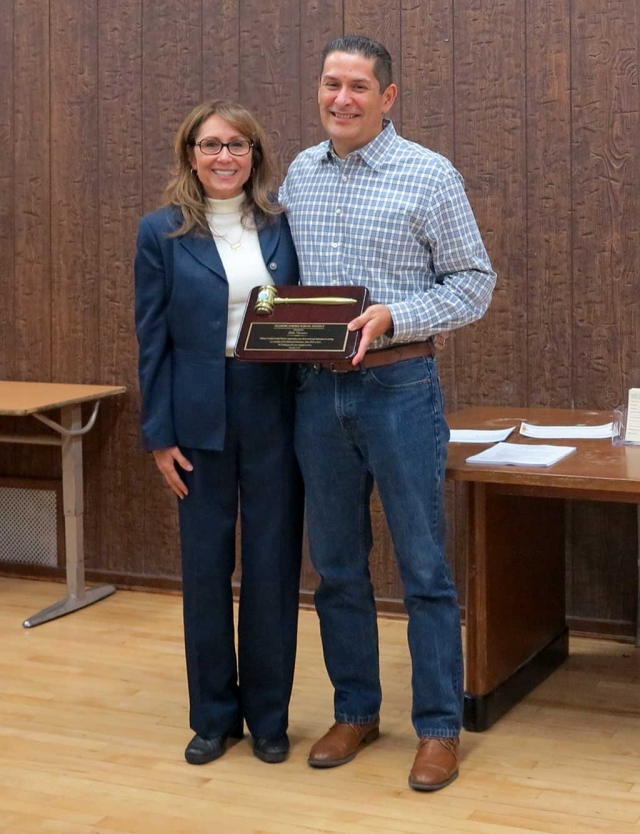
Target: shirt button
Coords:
[(335, 283), (334, 245), (344, 178), (273, 265), (338, 211)]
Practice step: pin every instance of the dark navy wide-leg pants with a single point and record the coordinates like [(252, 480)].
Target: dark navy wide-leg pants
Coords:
[(257, 470)]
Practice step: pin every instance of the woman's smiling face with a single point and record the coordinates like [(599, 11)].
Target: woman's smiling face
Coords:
[(222, 175)]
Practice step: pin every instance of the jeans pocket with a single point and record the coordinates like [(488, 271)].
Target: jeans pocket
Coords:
[(405, 374)]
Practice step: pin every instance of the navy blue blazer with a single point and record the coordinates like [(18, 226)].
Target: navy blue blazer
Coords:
[(182, 299)]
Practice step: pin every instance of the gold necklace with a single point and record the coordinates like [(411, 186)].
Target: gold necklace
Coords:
[(236, 245)]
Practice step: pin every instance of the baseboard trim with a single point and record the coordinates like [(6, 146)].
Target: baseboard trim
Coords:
[(622, 630)]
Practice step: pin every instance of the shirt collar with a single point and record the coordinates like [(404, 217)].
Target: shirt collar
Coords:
[(374, 153)]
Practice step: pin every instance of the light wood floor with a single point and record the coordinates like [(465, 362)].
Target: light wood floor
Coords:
[(93, 723)]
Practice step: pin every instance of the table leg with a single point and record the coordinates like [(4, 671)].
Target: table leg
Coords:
[(72, 490), (516, 630), (638, 605)]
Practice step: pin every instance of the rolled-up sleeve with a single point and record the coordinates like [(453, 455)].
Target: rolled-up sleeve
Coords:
[(464, 278)]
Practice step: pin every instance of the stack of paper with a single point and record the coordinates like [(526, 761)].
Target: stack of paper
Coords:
[(574, 432), (632, 429), (521, 454), (479, 435)]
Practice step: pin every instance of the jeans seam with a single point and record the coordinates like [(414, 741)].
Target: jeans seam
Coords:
[(364, 538), (435, 515)]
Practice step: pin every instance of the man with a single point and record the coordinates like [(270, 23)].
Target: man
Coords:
[(368, 207)]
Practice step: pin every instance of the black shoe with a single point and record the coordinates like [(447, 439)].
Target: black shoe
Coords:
[(204, 750), (271, 752)]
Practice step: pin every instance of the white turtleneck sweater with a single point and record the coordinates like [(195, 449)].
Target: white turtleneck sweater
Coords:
[(244, 266)]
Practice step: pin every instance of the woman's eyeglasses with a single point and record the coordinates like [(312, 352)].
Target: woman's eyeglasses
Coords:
[(212, 147)]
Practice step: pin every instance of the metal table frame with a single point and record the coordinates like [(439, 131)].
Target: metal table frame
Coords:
[(69, 438)]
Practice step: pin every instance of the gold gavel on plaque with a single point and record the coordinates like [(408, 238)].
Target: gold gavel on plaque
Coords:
[(268, 297)]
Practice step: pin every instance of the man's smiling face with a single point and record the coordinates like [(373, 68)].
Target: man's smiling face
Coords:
[(352, 105)]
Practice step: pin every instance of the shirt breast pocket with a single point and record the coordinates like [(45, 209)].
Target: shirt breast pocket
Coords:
[(393, 234)]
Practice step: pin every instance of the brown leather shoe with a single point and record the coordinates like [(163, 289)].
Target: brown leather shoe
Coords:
[(435, 765), (341, 743)]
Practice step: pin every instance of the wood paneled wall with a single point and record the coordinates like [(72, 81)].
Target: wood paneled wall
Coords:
[(535, 102)]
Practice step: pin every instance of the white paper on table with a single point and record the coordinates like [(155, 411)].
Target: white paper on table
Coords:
[(575, 432), (632, 431), (479, 435), (521, 454)]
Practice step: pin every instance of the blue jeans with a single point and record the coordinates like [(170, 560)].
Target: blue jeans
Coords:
[(384, 424)]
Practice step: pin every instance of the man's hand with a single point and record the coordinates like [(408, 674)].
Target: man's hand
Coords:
[(374, 322), (439, 340), (166, 460)]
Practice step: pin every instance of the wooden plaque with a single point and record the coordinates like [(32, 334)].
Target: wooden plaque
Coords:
[(301, 324)]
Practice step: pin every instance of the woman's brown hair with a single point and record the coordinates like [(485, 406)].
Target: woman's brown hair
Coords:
[(185, 191)]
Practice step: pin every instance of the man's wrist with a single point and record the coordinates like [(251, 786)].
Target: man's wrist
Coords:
[(390, 332)]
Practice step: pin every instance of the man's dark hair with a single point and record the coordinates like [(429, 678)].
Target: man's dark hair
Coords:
[(368, 48)]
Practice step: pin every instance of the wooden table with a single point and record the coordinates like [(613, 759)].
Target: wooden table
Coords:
[(515, 616), (22, 399)]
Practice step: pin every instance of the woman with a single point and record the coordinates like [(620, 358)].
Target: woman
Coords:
[(221, 430)]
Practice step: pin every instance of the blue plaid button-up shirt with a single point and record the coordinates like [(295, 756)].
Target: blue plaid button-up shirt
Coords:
[(394, 217)]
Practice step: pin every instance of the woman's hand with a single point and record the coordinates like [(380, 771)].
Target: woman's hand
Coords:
[(166, 460)]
